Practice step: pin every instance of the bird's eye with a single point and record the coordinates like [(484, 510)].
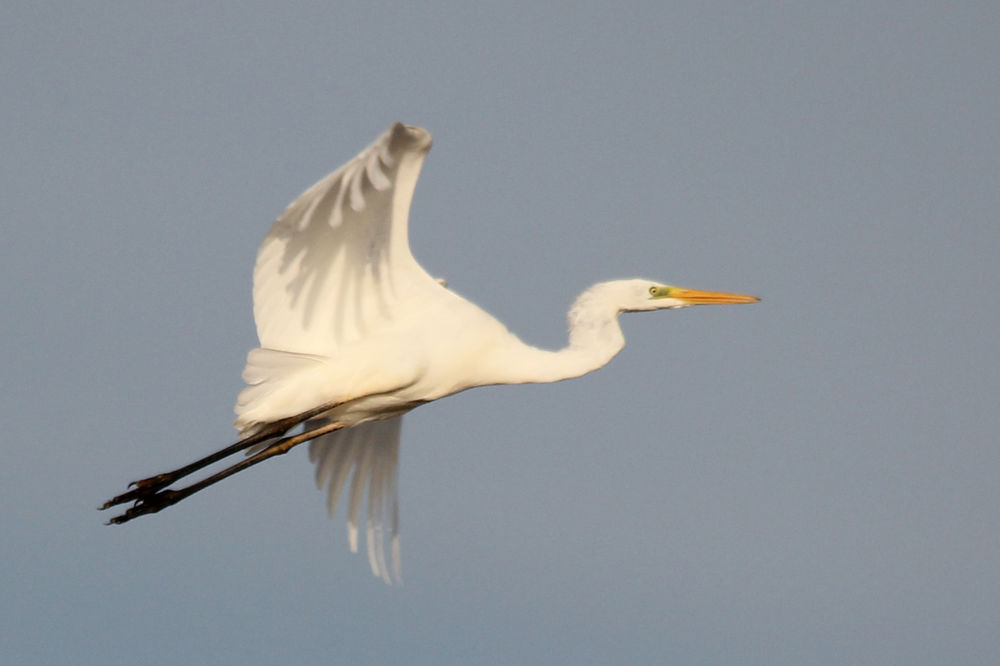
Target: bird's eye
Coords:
[(652, 291)]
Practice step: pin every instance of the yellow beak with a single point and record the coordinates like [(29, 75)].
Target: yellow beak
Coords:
[(698, 297)]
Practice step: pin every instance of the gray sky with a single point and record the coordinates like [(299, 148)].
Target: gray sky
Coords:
[(808, 480)]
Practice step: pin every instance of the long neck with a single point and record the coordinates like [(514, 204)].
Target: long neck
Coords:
[(594, 338)]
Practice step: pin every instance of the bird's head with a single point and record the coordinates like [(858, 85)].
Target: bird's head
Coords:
[(643, 295)]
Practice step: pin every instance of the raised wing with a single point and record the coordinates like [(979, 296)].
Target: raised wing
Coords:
[(338, 259), (335, 270), (368, 454)]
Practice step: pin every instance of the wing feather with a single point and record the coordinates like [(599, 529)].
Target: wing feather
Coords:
[(338, 259), (369, 453), (334, 271)]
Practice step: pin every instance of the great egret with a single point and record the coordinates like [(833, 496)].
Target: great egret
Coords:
[(354, 333)]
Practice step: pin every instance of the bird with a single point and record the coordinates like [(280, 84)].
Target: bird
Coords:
[(354, 333)]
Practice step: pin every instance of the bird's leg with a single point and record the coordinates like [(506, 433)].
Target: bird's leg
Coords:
[(155, 501), (146, 487)]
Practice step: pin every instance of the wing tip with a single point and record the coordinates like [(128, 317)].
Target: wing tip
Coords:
[(409, 137)]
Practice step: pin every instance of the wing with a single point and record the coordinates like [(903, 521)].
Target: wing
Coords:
[(337, 262), (369, 453), (336, 270)]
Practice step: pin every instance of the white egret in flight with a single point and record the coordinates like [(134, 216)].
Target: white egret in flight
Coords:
[(354, 334)]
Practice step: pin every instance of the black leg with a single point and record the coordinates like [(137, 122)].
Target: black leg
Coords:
[(146, 487), (155, 501)]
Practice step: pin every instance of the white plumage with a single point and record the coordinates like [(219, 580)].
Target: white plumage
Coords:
[(354, 333)]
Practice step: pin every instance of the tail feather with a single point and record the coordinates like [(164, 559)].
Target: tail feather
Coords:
[(279, 384)]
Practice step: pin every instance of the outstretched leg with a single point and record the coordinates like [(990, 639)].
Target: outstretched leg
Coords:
[(145, 488), (151, 502)]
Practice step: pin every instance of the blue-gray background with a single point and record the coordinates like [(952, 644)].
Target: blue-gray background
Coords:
[(808, 480)]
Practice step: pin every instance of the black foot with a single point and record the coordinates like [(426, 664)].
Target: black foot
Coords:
[(142, 489), (151, 503)]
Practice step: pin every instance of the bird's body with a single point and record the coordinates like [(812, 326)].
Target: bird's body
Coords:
[(354, 333), (450, 345)]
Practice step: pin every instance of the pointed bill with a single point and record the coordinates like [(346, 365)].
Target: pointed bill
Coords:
[(699, 297)]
